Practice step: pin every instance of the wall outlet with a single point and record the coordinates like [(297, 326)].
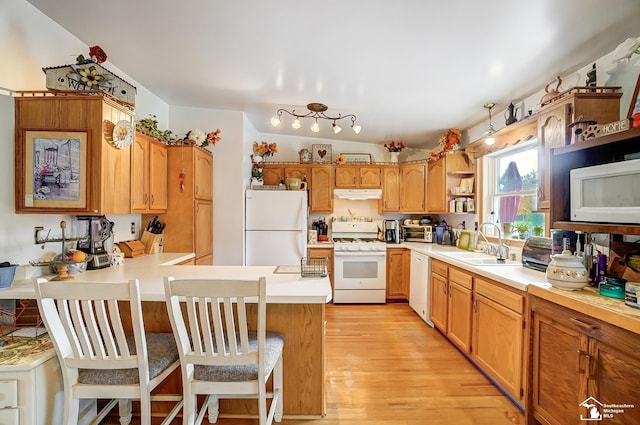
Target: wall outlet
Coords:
[(133, 227)]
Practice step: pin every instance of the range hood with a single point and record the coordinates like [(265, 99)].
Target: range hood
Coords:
[(357, 193)]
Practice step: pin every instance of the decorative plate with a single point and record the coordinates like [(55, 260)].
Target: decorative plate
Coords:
[(122, 134)]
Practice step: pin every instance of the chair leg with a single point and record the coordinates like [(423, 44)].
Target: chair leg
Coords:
[(277, 385), (145, 409), (213, 408), (71, 410), (189, 410), (124, 410)]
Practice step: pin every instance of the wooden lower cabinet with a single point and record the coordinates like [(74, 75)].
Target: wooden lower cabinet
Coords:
[(459, 307), (499, 335), (439, 287), (398, 271), (578, 360), (485, 320), (451, 303)]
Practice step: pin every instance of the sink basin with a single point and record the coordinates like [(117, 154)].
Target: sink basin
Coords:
[(462, 254), (489, 262)]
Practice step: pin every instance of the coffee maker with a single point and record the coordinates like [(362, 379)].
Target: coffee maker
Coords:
[(98, 231), (392, 231)]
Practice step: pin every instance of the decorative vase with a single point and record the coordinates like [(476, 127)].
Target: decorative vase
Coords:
[(394, 156)]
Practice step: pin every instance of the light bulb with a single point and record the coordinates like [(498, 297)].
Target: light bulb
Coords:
[(295, 123), (356, 128), (336, 128), (275, 121), (490, 140), (315, 127)]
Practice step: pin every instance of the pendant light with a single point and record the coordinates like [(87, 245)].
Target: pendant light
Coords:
[(490, 140)]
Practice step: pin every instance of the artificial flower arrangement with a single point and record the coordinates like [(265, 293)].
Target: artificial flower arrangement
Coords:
[(264, 149), (395, 147), (340, 159), (200, 138), (449, 141)]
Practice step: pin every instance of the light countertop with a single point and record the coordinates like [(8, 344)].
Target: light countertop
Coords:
[(282, 288), (587, 300)]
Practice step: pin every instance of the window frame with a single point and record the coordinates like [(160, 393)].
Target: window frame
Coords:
[(490, 177)]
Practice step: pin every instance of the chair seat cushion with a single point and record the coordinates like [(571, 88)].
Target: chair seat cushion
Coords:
[(161, 352), (273, 350)]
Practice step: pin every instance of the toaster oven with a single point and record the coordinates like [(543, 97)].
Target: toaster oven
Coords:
[(417, 233)]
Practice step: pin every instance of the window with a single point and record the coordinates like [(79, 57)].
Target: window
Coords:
[(510, 189)]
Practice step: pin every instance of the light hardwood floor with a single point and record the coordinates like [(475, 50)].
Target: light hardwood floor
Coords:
[(385, 366)]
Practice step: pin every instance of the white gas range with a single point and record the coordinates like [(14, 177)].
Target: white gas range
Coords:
[(360, 263)]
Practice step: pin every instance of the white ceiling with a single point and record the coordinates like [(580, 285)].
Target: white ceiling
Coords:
[(407, 68)]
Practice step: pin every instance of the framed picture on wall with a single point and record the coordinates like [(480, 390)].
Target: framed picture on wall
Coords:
[(322, 153), (55, 169), (357, 158)]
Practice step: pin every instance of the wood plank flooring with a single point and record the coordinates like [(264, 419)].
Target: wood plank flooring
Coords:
[(385, 366)]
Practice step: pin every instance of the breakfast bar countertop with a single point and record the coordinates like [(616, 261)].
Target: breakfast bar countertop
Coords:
[(150, 269)]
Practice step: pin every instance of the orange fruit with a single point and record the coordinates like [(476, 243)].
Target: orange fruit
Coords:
[(79, 256)]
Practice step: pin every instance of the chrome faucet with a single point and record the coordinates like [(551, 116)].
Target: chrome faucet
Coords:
[(500, 248)]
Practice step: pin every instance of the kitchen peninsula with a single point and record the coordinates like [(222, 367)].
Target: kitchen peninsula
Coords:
[(295, 308)]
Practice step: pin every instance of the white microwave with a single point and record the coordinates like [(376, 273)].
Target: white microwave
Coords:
[(607, 193)]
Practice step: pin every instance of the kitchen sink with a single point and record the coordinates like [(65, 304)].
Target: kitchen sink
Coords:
[(493, 261)]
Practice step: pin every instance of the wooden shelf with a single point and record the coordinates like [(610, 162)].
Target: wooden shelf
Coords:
[(632, 133), (618, 229)]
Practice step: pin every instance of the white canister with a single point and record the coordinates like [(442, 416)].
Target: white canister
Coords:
[(566, 271), (632, 294), (452, 205), (459, 205)]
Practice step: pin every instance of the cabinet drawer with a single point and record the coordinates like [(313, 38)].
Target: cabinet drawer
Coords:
[(9, 416), (460, 277), (508, 299), (8, 394), (439, 267)]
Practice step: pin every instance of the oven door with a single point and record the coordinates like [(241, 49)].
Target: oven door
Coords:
[(360, 270)]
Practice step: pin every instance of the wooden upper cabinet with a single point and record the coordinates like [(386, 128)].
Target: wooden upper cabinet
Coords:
[(553, 128), (203, 164), (358, 176), (390, 201), (148, 175), (321, 194), (273, 174), (346, 176), (436, 187), (100, 177), (413, 183), (370, 176)]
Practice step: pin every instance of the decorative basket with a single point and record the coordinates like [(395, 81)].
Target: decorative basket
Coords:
[(7, 274)]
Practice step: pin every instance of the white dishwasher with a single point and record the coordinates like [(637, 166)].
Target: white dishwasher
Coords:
[(419, 286)]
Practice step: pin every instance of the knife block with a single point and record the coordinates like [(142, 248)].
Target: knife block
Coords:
[(152, 242)]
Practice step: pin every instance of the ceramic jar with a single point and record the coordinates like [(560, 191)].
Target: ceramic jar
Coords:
[(566, 271)]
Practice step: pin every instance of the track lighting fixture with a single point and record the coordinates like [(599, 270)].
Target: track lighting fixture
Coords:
[(316, 111)]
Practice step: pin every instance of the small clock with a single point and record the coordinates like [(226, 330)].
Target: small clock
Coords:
[(122, 134)]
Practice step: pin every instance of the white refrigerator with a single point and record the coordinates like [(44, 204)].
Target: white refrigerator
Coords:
[(275, 227)]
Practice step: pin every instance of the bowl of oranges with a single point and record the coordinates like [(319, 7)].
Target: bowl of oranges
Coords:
[(76, 261)]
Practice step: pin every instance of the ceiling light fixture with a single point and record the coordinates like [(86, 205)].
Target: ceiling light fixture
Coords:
[(490, 140), (316, 111)]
